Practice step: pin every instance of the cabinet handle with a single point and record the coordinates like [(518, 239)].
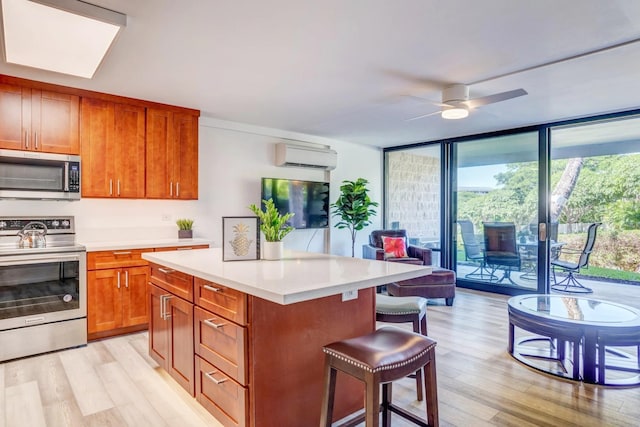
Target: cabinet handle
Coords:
[(126, 279), (118, 280), (185, 249), (111, 187), (163, 306), (210, 376), (209, 322), (26, 139), (122, 253), (211, 288), (118, 187), (171, 189), (177, 189), (166, 270), (35, 139)]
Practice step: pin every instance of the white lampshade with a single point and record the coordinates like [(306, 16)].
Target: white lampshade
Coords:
[(455, 113), (66, 36)]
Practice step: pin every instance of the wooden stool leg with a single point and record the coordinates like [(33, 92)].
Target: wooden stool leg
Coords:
[(417, 328), (372, 401), (329, 392), (386, 401), (431, 388)]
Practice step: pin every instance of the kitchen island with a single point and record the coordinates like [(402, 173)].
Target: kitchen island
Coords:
[(246, 337)]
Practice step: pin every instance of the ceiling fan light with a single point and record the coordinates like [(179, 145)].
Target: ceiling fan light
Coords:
[(455, 113)]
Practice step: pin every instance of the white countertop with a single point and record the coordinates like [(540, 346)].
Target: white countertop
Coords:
[(141, 244), (299, 276)]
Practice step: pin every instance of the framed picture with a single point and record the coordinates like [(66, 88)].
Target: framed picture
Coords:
[(240, 238)]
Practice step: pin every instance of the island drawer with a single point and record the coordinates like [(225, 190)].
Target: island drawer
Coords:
[(173, 281), (221, 300), (225, 399), (100, 260), (221, 343)]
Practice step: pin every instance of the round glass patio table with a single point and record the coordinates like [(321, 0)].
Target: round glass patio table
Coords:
[(583, 326)]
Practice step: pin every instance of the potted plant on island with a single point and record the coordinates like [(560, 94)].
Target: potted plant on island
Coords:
[(354, 207), (185, 228), (274, 227)]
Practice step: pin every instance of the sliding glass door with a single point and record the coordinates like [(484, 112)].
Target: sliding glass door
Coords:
[(496, 209)]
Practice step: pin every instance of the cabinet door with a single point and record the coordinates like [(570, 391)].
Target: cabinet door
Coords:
[(129, 151), (55, 122), (97, 142), (181, 362), (186, 158), (103, 300), (159, 152), (158, 326), (134, 296), (13, 127)]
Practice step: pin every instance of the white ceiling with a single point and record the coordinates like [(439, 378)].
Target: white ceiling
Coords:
[(340, 69)]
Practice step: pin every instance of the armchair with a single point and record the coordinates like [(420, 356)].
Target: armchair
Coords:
[(441, 283)]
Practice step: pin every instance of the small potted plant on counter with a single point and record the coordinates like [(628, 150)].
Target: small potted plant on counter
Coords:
[(185, 228), (274, 227)]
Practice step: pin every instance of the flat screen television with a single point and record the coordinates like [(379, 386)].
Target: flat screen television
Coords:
[(309, 200)]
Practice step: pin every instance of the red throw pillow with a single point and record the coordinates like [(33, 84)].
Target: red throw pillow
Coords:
[(394, 247)]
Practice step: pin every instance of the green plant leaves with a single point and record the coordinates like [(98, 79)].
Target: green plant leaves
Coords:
[(272, 224), (353, 207)]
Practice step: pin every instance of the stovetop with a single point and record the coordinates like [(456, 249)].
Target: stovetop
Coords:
[(60, 236)]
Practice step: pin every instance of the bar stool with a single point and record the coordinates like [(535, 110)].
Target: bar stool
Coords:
[(386, 355), (404, 310)]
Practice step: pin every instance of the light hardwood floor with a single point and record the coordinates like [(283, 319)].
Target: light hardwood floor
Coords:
[(114, 383)]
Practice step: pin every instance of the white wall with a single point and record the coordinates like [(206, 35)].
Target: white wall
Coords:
[(233, 159)]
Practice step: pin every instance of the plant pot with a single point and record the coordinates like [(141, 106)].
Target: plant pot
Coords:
[(272, 251), (185, 234)]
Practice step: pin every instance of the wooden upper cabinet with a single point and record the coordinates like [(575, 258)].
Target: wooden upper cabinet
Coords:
[(12, 127), (172, 155), (39, 120), (113, 149)]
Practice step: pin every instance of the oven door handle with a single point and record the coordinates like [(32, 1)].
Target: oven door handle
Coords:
[(23, 260)]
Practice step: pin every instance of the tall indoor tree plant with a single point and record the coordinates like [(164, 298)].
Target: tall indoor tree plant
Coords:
[(354, 208), (274, 227)]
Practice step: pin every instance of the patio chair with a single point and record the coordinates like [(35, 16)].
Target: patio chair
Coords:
[(500, 249), (570, 284), (474, 252)]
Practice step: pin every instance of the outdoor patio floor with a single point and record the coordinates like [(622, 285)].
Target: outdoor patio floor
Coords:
[(622, 293)]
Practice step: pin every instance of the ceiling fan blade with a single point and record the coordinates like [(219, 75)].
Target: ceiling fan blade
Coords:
[(496, 97), (428, 101), (423, 116)]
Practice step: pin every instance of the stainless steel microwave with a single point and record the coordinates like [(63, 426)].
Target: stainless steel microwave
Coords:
[(31, 175)]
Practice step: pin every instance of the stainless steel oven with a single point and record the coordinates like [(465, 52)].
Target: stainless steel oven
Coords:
[(43, 303)]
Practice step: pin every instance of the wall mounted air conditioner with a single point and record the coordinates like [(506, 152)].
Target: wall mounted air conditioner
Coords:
[(305, 157)]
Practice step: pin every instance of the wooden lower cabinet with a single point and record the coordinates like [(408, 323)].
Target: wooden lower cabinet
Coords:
[(171, 335), (116, 299), (257, 363)]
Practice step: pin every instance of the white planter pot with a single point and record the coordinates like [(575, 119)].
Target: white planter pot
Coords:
[(272, 250)]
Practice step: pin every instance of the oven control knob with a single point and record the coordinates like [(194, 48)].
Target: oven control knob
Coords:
[(3, 224), (55, 223), (65, 223)]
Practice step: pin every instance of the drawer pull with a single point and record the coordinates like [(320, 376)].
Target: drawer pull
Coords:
[(212, 289), (166, 270), (122, 253), (210, 376), (209, 322)]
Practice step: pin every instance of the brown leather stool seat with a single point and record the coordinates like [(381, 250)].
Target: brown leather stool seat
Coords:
[(441, 283), (379, 358)]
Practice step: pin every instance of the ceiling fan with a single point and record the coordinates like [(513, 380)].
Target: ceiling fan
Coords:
[(457, 105)]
